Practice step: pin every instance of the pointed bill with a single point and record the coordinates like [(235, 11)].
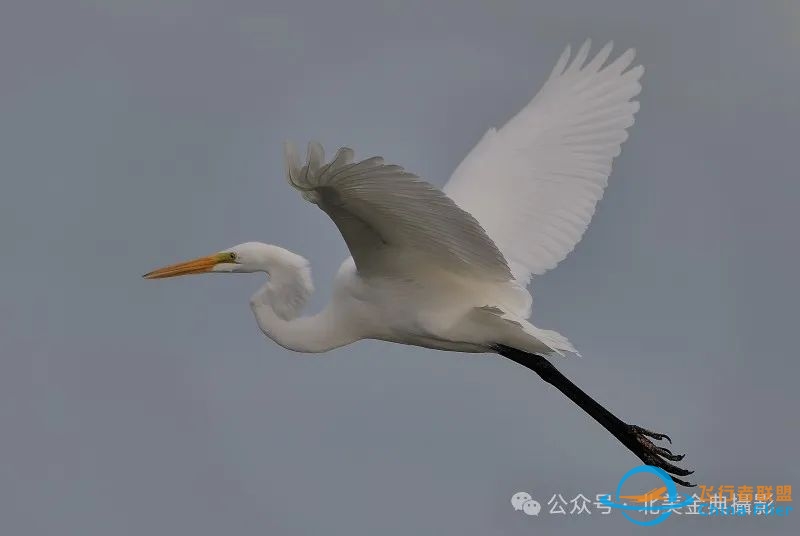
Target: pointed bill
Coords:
[(201, 265)]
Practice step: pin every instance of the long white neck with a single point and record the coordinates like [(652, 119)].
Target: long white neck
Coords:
[(278, 304), (311, 334)]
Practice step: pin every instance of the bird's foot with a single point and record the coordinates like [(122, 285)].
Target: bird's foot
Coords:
[(651, 454)]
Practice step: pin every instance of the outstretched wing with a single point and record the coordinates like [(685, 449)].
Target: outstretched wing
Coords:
[(391, 220), (533, 184)]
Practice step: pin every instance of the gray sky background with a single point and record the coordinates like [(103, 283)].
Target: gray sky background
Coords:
[(137, 133)]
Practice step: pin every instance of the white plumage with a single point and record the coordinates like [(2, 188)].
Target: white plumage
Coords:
[(533, 184), (449, 269), (386, 214), (515, 207)]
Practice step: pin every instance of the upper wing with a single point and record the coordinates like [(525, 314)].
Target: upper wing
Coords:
[(391, 220), (533, 184)]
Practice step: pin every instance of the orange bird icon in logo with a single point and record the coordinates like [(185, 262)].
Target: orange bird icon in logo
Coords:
[(653, 494)]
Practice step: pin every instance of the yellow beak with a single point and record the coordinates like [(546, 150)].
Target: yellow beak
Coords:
[(197, 266)]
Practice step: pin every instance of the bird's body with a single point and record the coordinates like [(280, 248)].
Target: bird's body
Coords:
[(449, 269), (435, 310)]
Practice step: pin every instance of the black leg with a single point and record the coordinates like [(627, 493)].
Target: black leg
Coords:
[(635, 438)]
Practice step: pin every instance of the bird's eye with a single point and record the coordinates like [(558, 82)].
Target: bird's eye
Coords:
[(232, 256)]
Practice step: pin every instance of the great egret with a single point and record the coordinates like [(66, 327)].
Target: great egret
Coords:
[(448, 269)]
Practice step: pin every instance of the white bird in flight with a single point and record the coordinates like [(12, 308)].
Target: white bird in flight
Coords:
[(449, 269)]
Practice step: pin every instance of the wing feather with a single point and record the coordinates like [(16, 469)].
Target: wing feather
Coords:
[(391, 219), (533, 185)]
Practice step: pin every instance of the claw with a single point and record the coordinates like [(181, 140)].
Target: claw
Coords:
[(683, 482), (666, 453), (655, 435), (656, 456), (652, 459)]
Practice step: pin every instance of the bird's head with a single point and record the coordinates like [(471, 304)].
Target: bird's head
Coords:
[(244, 258)]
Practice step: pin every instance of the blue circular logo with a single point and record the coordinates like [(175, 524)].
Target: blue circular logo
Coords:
[(672, 495)]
